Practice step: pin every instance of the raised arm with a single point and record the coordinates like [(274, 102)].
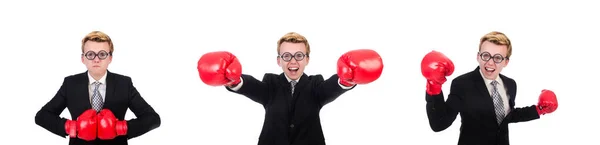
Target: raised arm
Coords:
[(435, 66), (252, 88), (222, 68), (355, 67)]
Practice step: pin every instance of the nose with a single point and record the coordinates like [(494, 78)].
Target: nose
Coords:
[(293, 60), (490, 63), (96, 60)]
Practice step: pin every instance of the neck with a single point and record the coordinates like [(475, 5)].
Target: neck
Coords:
[(98, 75)]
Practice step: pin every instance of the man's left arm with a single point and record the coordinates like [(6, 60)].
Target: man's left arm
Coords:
[(355, 67), (547, 104), (522, 114), (330, 89), (147, 119)]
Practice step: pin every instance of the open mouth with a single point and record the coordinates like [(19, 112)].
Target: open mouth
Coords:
[(293, 70), (487, 69)]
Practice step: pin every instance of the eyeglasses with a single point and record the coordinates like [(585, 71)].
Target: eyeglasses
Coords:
[(486, 56), (91, 55), (287, 57)]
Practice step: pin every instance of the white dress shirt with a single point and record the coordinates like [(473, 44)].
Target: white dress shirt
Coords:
[(101, 88), (501, 90), (288, 79)]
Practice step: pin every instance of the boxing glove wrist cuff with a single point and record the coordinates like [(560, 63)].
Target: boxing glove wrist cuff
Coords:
[(121, 127), (71, 128), (433, 88), (234, 83), (345, 83), (539, 110)]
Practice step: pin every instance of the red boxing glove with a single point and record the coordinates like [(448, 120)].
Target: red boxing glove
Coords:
[(108, 125), (360, 66), (435, 66), (85, 126), (219, 68), (547, 102)]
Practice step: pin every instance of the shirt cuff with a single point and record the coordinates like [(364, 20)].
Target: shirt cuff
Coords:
[(344, 87), (236, 88)]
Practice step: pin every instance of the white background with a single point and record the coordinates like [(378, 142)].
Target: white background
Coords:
[(159, 43)]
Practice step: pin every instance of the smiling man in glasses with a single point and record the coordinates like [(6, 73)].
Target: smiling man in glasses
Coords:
[(292, 99), (484, 97), (97, 101)]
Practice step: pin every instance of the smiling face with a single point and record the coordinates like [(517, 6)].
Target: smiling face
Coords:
[(293, 53), (494, 53), (292, 59), (491, 59)]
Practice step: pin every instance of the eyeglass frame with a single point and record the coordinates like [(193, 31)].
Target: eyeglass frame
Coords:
[(492, 56), (96, 55), (293, 56)]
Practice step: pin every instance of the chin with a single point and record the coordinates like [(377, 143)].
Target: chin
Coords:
[(294, 77), (96, 70), (491, 77)]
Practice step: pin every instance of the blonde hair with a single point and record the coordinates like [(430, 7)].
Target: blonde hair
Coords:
[(97, 36), (497, 38), (293, 37)]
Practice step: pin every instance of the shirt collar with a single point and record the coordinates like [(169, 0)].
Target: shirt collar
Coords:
[(488, 81), (102, 79)]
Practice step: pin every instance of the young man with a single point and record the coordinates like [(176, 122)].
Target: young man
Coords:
[(292, 99), (484, 98), (93, 96)]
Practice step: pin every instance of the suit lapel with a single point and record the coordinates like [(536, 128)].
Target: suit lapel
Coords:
[(110, 89), (83, 89), (289, 97), (301, 83), (488, 103), (480, 84), (298, 88), (510, 88)]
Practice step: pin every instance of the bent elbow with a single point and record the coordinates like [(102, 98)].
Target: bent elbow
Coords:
[(38, 118), (155, 122), (438, 127)]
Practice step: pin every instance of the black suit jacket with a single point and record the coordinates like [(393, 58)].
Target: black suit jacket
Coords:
[(291, 120), (120, 95), (470, 97)]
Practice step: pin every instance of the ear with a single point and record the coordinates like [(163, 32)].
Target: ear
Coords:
[(307, 59), (278, 62), (109, 59), (506, 62), (82, 59)]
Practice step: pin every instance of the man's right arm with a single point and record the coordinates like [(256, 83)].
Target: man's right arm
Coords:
[(435, 67), (48, 116), (441, 114), (252, 88)]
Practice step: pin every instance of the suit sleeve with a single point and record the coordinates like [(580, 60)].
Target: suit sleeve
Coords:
[(328, 90), (254, 89), (147, 119), (442, 114), (521, 114), (48, 117)]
